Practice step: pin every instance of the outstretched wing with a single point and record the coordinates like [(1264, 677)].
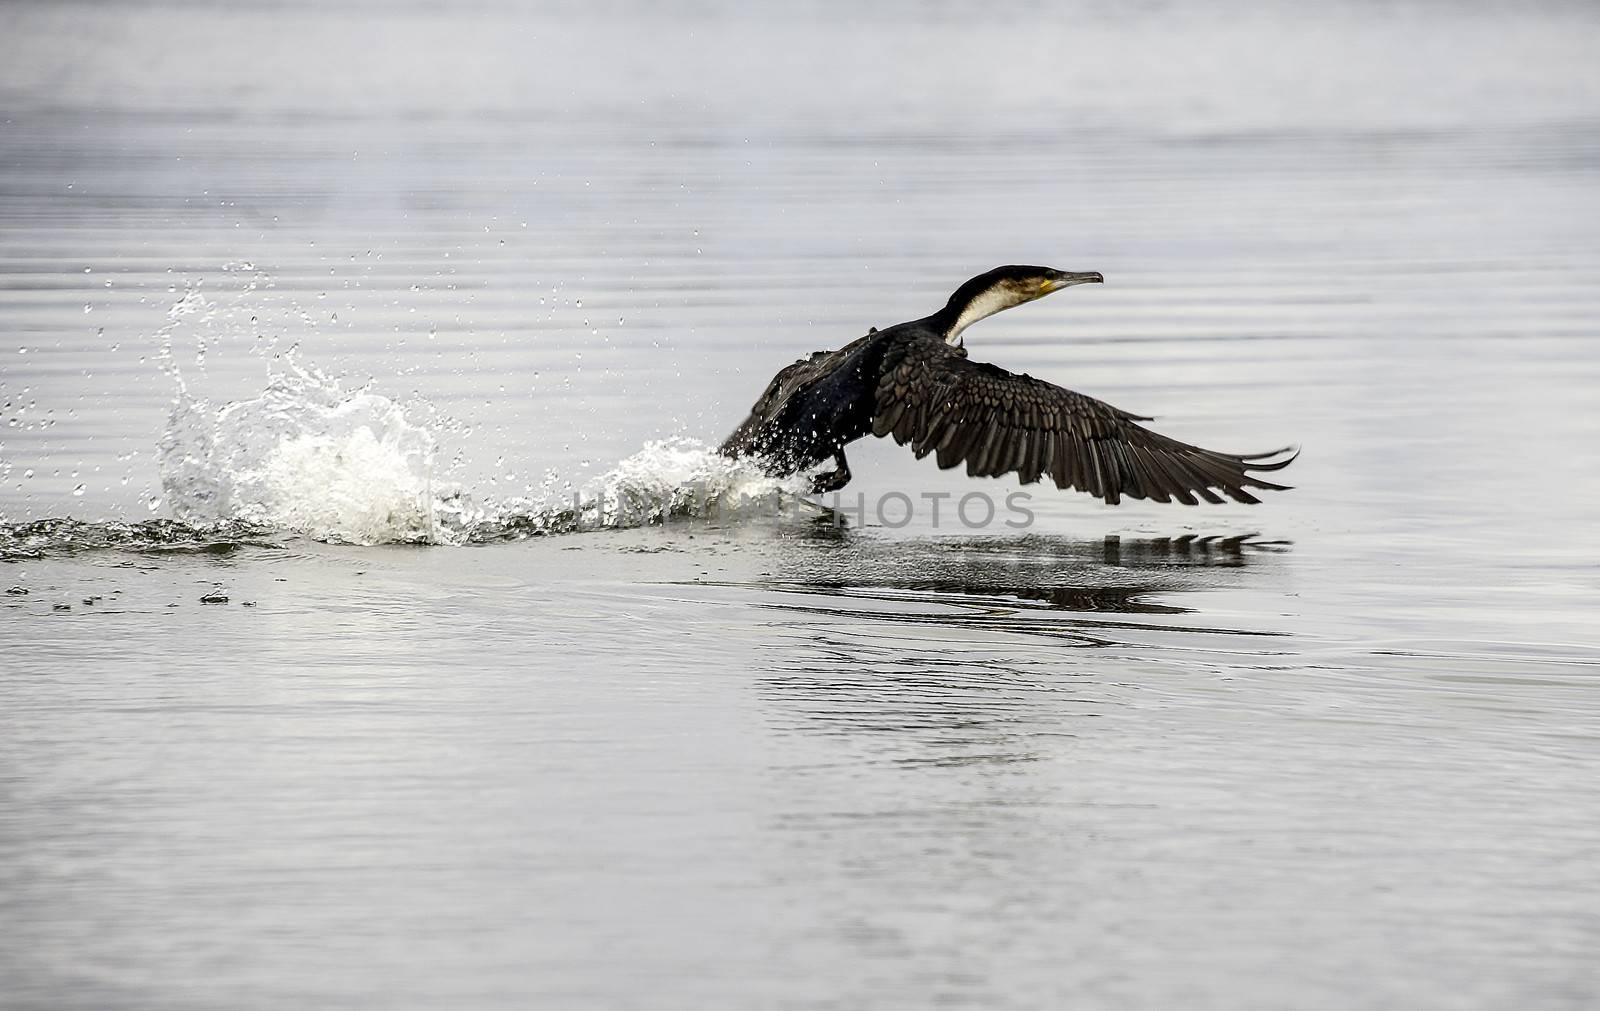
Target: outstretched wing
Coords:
[(932, 396)]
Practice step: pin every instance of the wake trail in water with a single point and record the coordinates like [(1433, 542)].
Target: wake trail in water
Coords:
[(308, 458)]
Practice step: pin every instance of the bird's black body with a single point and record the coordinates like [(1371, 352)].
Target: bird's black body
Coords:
[(814, 408), (913, 381)]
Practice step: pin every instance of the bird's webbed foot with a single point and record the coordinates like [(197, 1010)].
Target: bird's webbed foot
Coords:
[(832, 480)]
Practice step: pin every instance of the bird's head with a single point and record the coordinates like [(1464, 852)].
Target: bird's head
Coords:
[(1002, 288)]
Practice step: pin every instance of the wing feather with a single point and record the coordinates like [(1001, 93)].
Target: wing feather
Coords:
[(997, 422)]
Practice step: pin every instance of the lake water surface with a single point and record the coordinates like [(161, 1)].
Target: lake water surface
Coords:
[(455, 270)]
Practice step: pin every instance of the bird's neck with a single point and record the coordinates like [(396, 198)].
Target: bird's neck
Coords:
[(966, 308)]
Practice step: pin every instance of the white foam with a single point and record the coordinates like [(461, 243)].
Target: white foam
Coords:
[(307, 457), (303, 456), (674, 479)]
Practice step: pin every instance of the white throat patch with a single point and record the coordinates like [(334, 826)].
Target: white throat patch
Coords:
[(985, 305)]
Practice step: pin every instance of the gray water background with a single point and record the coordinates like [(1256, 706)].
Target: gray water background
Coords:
[(1124, 758)]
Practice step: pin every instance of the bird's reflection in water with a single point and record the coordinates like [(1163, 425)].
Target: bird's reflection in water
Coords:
[(966, 649), (1033, 585)]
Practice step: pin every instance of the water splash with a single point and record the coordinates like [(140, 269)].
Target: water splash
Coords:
[(304, 456), (675, 479), (307, 457)]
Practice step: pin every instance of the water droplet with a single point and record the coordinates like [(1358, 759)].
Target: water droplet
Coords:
[(78, 491)]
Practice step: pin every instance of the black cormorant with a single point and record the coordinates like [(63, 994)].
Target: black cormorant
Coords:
[(914, 381)]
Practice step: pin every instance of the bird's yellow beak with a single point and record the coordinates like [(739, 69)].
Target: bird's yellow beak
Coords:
[(1068, 280)]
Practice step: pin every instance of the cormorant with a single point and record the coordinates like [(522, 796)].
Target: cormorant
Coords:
[(914, 381)]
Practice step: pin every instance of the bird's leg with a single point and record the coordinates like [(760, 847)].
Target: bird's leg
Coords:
[(834, 479)]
